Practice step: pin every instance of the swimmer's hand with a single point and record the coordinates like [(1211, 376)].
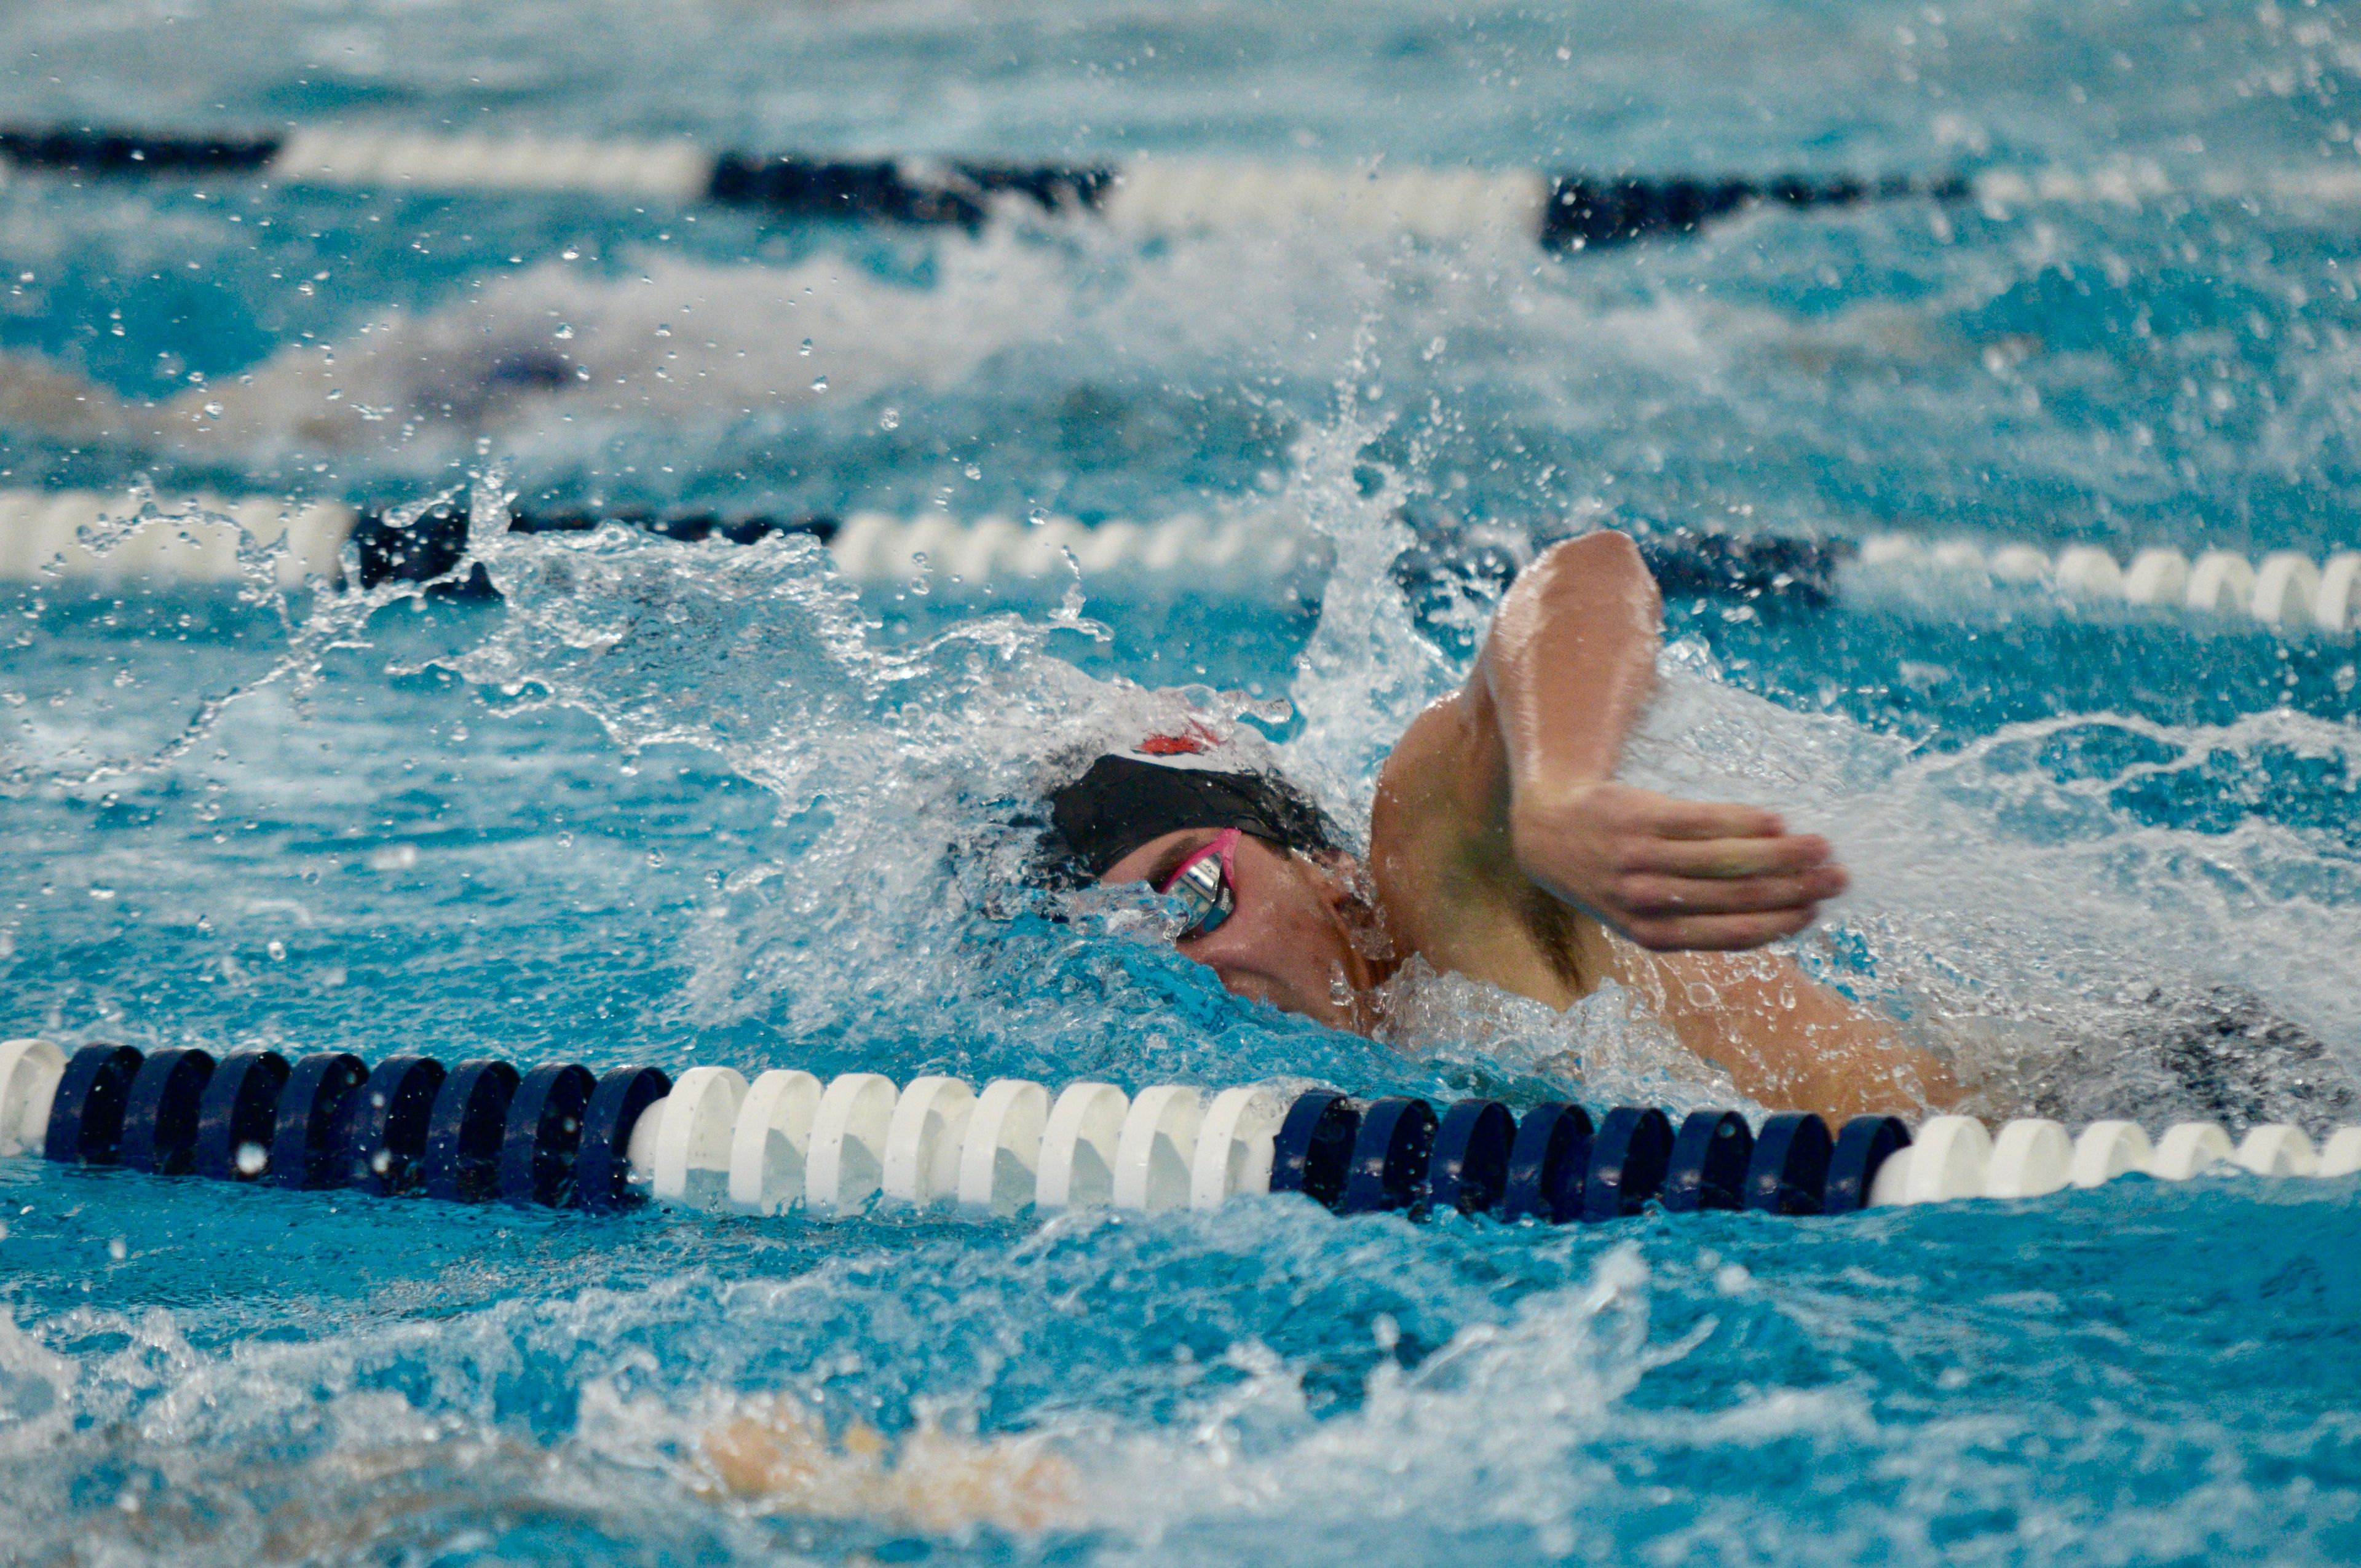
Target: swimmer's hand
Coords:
[(1672, 874)]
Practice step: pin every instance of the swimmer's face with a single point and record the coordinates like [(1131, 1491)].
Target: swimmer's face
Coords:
[(1290, 940)]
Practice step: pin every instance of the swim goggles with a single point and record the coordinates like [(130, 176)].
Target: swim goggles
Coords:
[(1205, 885)]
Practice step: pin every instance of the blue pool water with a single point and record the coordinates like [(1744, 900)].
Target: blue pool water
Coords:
[(671, 803)]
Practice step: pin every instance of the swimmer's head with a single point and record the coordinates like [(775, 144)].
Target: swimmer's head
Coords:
[(1293, 924), (1170, 782)]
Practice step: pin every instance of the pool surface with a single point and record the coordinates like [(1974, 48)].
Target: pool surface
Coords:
[(672, 803)]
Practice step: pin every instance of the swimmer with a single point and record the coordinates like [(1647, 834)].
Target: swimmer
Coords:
[(776, 1459), (1501, 848)]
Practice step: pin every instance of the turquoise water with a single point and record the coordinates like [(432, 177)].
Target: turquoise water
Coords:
[(675, 804)]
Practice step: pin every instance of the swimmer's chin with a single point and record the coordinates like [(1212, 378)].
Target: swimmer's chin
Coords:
[(1344, 1008)]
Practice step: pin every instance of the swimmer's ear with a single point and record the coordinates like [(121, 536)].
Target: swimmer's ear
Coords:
[(1343, 884), (1345, 887)]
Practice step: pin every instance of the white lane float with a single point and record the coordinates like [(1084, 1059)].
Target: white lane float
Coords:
[(848, 1148), (201, 539), (770, 1143)]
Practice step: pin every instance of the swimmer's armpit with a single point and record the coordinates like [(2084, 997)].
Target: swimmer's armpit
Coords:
[(777, 1457)]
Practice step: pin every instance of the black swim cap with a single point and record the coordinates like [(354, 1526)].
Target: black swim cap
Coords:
[(1122, 803)]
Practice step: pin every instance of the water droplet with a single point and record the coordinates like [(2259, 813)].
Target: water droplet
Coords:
[(807, 347), (565, 841), (820, 384), (570, 255), (276, 948), (655, 857), (251, 1158), (212, 410), (564, 330), (890, 420), (117, 1248)]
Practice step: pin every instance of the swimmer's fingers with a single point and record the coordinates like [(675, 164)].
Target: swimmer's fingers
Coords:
[(1653, 895), (1718, 933), (1672, 818), (1672, 874), (1786, 854)]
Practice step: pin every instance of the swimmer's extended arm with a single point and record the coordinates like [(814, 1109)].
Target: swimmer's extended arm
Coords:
[(1500, 803), (1787, 1042)]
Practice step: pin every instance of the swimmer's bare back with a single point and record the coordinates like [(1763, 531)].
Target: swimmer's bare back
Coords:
[(1503, 849)]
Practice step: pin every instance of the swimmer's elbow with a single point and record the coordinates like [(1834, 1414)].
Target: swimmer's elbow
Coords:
[(1580, 594), (1602, 547), (1600, 560)]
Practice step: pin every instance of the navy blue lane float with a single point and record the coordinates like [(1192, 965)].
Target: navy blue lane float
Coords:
[(1549, 1164), (1391, 1154), (86, 1108), (1787, 1168), (159, 1115), (1709, 1163), (1866, 1142), (238, 1115), (386, 1124), (1469, 1170), (308, 1120), (545, 1134), (464, 1130), (1555, 1165), (1313, 1147), (1566, 213), (602, 1164), (559, 1136), (1629, 1155)]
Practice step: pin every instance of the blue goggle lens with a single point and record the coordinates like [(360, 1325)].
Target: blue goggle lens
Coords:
[(1205, 897)]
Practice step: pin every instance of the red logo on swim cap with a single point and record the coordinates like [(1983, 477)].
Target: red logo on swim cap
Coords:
[(1200, 739)]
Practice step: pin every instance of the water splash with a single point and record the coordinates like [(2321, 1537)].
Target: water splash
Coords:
[(2066, 905), (1367, 669)]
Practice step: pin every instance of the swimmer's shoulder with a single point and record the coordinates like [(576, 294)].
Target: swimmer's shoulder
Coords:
[(1444, 866)]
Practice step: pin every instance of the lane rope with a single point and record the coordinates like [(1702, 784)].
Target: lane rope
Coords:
[(52, 535), (786, 1142), (1562, 213), (1566, 212)]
